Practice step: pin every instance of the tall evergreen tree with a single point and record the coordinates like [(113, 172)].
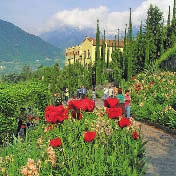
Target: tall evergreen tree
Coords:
[(153, 34), (97, 55), (139, 51), (130, 50), (108, 52)]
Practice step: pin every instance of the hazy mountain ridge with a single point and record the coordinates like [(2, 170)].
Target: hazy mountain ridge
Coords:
[(65, 36)]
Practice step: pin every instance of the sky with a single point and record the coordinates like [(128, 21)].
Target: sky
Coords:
[(39, 16)]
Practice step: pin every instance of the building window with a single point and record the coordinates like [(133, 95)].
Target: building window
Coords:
[(84, 54), (88, 54)]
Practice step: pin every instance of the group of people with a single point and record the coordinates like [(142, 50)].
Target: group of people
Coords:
[(124, 99), (81, 94)]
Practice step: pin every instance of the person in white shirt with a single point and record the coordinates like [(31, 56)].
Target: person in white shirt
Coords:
[(111, 94)]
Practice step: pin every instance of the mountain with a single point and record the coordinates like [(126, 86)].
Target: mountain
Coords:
[(66, 36), (19, 48)]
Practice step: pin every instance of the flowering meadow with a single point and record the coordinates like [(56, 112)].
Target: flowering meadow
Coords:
[(78, 140), (154, 98)]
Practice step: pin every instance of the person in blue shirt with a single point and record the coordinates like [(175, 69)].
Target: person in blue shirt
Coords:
[(83, 92)]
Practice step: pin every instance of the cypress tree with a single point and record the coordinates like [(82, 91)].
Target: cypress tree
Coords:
[(130, 48), (115, 47), (107, 64), (168, 20), (118, 39), (97, 55), (125, 55), (163, 38)]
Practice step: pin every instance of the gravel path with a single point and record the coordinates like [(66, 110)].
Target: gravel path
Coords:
[(160, 149)]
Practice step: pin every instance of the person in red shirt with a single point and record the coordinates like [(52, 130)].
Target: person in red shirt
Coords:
[(127, 103)]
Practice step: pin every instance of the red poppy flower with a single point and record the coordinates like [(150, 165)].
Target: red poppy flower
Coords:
[(37, 118), (135, 135), (114, 112), (50, 127), (23, 126), (54, 114), (30, 117), (124, 122), (83, 104), (138, 88), (138, 85), (55, 142), (49, 108), (151, 83), (89, 136), (111, 102)]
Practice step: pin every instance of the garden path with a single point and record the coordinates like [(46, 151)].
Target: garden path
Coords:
[(160, 149)]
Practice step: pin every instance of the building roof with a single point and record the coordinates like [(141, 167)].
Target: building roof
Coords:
[(110, 43)]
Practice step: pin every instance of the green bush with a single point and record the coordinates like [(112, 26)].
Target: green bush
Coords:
[(15, 96)]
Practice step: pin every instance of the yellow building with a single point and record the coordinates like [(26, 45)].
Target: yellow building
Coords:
[(85, 52)]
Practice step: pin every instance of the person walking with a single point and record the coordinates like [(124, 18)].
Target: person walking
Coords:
[(105, 93), (78, 93), (58, 100), (83, 92), (111, 92), (127, 103), (93, 95), (66, 93)]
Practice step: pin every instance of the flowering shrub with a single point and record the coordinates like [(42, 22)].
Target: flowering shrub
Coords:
[(135, 135), (52, 156), (89, 136), (55, 114), (55, 142), (157, 92), (114, 112), (111, 102), (124, 122), (83, 104), (78, 148), (30, 169)]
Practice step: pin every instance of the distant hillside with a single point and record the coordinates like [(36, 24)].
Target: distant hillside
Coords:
[(19, 47), (66, 36)]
